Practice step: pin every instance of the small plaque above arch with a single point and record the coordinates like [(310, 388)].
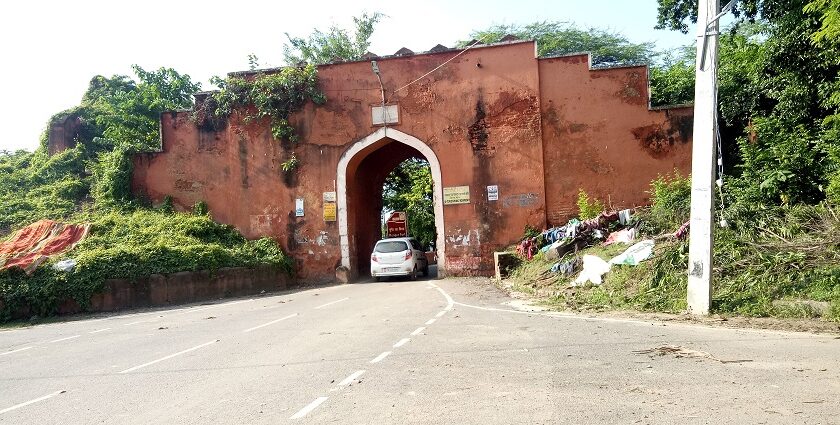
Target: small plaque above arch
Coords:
[(389, 114)]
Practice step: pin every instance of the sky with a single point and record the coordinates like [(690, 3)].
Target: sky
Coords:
[(52, 49)]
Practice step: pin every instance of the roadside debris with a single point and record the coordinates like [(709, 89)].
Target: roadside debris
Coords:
[(624, 236), (65, 265), (593, 270), (635, 254), (682, 352)]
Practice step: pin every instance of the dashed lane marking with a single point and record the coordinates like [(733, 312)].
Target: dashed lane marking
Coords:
[(380, 357), (331, 303), (169, 356), (418, 330), (401, 342), (270, 323), (27, 403), (99, 330), (355, 375), (65, 339), (15, 351), (309, 408), (137, 322), (430, 321)]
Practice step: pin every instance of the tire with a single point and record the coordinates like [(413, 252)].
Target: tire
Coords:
[(413, 275), (426, 270), (378, 279)]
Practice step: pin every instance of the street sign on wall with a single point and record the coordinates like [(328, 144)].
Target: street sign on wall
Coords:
[(396, 226), (456, 195)]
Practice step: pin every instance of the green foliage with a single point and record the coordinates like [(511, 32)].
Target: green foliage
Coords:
[(290, 164), (336, 44), (91, 183), (670, 198), (588, 208), (672, 79), (829, 12), (111, 180), (131, 246), (128, 112), (201, 208), (35, 186), (273, 97), (559, 38), (787, 253), (786, 165), (409, 188)]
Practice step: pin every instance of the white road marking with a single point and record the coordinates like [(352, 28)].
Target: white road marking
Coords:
[(331, 303), (99, 330), (169, 356), (430, 321), (65, 339), (18, 406), (134, 323), (449, 301), (15, 351), (270, 323), (351, 378), (418, 330), (309, 407), (401, 342), (440, 313), (193, 310), (380, 357)]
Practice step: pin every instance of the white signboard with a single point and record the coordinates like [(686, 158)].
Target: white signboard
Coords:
[(390, 114), (493, 193), (299, 207), (456, 195), (329, 196)]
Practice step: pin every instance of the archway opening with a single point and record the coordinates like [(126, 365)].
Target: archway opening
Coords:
[(362, 173), (409, 188)]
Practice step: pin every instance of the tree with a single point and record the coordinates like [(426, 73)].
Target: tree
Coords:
[(409, 188), (335, 44), (128, 111), (558, 38), (672, 79), (778, 82)]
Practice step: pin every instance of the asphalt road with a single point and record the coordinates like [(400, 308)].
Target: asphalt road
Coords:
[(431, 352)]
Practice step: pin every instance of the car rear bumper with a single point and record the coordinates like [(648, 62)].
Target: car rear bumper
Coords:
[(399, 269)]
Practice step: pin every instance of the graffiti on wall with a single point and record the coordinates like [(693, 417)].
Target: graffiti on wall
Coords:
[(521, 200)]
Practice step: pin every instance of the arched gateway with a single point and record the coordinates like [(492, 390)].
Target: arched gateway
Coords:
[(359, 177)]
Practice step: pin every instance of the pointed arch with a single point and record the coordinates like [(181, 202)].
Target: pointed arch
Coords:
[(361, 149)]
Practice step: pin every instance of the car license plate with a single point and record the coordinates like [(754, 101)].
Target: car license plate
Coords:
[(390, 269)]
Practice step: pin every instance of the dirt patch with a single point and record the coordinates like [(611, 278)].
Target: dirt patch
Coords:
[(477, 132), (653, 140)]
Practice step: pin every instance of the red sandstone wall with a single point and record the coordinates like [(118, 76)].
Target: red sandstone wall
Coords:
[(599, 135), (483, 122)]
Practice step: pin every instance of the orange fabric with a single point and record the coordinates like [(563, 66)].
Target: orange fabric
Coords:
[(32, 245)]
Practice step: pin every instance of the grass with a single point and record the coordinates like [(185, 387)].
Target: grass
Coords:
[(785, 265)]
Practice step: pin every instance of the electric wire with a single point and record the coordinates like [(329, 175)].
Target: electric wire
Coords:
[(480, 40)]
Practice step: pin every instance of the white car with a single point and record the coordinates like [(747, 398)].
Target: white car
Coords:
[(398, 257)]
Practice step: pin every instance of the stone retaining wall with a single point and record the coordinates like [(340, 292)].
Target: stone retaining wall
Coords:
[(179, 288)]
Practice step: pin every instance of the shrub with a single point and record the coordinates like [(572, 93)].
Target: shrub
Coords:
[(588, 208)]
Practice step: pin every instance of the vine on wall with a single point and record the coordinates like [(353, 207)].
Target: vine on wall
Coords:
[(272, 96)]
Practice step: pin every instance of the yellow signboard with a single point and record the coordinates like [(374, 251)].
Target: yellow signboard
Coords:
[(329, 211), (456, 195)]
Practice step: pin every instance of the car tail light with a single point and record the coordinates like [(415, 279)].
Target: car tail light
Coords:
[(408, 255), (373, 258)]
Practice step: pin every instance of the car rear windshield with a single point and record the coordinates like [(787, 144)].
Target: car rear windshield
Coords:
[(391, 246)]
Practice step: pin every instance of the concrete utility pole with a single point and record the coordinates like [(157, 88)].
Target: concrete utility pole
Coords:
[(703, 160)]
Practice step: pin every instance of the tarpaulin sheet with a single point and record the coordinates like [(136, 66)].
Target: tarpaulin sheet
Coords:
[(29, 247)]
